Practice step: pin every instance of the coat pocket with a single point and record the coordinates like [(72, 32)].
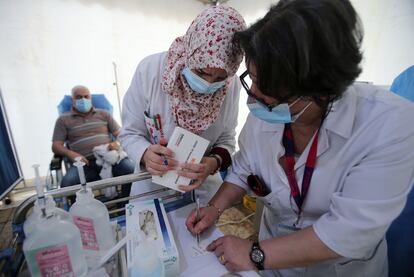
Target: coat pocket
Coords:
[(153, 132)]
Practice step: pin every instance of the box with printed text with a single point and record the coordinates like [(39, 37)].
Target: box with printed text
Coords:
[(148, 220)]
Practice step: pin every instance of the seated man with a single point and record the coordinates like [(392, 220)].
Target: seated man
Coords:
[(83, 128)]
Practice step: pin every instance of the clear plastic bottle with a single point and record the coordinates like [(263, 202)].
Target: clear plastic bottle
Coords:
[(36, 214), (92, 218), (147, 263), (54, 247), (50, 204)]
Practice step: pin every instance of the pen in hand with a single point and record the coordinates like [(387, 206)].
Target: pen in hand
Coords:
[(162, 142), (198, 218)]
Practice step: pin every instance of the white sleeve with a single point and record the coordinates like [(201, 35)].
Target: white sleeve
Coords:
[(240, 168), (134, 135), (374, 193), (227, 138)]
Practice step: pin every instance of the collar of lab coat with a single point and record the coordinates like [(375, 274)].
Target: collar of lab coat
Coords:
[(340, 119), (342, 115)]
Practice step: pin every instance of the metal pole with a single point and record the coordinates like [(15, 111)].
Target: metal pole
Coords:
[(19, 215), (117, 89)]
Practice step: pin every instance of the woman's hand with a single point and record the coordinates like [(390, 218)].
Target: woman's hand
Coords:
[(158, 159), (233, 253), (208, 216), (197, 172)]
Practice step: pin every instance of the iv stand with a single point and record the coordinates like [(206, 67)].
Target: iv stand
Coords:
[(117, 89)]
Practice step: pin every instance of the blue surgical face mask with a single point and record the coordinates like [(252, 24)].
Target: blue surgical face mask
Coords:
[(200, 85), (83, 105), (279, 114)]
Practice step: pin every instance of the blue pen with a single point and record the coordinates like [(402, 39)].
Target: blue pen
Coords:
[(165, 160), (155, 137)]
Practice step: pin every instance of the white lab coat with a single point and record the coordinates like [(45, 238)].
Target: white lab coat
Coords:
[(145, 94), (364, 171)]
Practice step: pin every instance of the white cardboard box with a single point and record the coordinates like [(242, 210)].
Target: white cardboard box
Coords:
[(148, 218), (188, 148)]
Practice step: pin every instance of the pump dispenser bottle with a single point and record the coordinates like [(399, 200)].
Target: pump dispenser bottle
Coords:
[(54, 247), (34, 217), (92, 218)]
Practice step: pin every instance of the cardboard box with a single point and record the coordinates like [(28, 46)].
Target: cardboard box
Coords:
[(188, 148), (148, 218)]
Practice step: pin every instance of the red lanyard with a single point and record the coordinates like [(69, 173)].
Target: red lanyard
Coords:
[(290, 166)]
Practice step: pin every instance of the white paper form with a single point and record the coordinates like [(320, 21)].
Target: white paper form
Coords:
[(201, 266), (188, 148)]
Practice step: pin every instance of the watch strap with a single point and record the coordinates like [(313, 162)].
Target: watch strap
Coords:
[(256, 247)]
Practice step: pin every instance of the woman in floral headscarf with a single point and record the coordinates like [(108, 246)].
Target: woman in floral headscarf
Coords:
[(193, 86)]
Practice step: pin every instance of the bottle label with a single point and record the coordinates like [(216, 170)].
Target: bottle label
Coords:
[(54, 261), (87, 230)]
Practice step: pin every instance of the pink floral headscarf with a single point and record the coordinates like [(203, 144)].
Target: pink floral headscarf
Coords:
[(207, 43)]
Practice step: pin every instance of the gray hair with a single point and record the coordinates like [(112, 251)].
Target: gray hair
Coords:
[(78, 87)]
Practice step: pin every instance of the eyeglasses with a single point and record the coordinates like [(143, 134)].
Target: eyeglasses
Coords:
[(247, 82)]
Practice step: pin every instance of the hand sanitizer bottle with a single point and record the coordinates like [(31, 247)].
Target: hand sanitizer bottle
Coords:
[(36, 214), (54, 247), (92, 218)]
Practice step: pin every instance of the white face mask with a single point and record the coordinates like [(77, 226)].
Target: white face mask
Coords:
[(280, 114), (200, 85)]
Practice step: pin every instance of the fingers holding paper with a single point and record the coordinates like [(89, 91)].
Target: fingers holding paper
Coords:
[(233, 253), (159, 159), (196, 172)]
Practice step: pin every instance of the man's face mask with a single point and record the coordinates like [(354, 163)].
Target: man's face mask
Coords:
[(83, 105), (279, 114), (200, 85)]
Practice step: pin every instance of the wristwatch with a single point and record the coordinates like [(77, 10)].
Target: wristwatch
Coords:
[(257, 256)]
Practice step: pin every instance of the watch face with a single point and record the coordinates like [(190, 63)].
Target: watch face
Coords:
[(257, 256)]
